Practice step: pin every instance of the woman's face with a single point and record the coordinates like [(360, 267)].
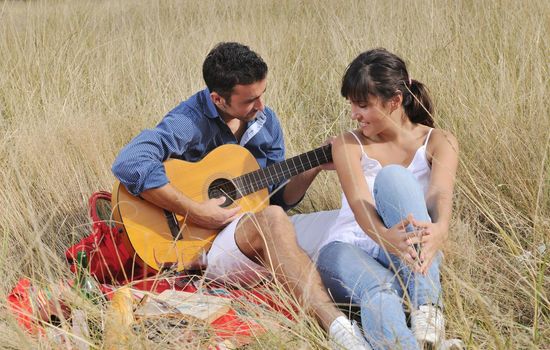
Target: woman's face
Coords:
[(371, 115)]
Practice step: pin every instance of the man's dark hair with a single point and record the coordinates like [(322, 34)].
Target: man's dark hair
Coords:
[(229, 64)]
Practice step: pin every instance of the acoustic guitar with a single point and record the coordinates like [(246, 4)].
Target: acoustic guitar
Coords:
[(162, 239)]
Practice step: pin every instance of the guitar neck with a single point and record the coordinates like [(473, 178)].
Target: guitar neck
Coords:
[(278, 172)]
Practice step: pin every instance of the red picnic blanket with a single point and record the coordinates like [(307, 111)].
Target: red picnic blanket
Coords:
[(111, 264)]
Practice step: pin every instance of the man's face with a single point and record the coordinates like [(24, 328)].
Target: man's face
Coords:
[(245, 101)]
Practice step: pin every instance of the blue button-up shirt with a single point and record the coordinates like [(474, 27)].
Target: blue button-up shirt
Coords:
[(189, 132)]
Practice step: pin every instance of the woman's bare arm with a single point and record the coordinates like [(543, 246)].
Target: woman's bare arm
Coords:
[(443, 149), (346, 154)]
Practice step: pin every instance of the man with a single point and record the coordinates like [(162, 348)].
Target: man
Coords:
[(231, 110)]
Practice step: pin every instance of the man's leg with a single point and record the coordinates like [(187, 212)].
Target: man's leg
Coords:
[(226, 263), (257, 244), (269, 238)]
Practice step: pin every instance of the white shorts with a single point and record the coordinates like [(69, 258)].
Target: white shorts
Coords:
[(226, 262)]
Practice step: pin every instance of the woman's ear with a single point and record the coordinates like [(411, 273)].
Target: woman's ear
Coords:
[(396, 101)]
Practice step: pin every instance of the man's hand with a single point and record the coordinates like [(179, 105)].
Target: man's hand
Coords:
[(329, 165), (209, 214), (296, 188)]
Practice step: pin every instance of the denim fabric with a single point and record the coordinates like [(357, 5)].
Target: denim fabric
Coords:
[(189, 132), (397, 194), (378, 284)]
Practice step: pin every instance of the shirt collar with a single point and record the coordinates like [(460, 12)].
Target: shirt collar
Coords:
[(209, 108)]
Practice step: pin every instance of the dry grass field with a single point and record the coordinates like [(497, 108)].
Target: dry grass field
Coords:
[(79, 78)]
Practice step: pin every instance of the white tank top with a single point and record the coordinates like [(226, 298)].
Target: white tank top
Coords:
[(346, 229)]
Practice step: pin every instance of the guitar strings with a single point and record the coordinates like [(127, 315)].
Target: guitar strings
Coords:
[(319, 155), (285, 173), (257, 185)]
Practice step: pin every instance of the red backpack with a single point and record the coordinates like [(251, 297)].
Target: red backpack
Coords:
[(108, 258)]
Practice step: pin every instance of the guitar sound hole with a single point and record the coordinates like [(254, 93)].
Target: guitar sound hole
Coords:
[(223, 187)]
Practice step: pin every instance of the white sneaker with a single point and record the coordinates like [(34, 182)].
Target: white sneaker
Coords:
[(428, 326), (452, 344), (347, 335)]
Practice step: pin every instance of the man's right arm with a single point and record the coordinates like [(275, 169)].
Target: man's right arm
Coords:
[(139, 168)]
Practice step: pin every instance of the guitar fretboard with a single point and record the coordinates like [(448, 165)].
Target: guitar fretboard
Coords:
[(278, 172)]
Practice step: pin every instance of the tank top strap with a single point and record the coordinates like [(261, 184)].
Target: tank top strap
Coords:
[(359, 142), (428, 137)]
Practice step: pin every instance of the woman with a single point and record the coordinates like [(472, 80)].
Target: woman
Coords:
[(397, 173)]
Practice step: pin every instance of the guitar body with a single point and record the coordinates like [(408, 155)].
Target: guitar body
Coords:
[(147, 228)]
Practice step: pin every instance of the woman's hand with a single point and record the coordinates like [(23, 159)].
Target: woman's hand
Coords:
[(401, 243), (434, 235)]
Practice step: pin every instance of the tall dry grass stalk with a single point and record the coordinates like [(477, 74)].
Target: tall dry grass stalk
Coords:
[(78, 79)]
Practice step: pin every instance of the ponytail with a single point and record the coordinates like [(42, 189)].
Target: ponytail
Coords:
[(418, 104)]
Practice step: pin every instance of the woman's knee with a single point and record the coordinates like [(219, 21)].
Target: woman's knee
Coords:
[(394, 182), (393, 174), (397, 193)]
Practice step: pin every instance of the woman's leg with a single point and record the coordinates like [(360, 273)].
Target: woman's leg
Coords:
[(353, 276), (397, 194)]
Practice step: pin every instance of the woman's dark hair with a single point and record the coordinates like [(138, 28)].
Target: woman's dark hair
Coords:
[(229, 64), (381, 73)]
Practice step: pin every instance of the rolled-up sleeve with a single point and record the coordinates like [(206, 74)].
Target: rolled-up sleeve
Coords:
[(139, 166)]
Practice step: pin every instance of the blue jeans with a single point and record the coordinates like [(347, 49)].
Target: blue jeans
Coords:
[(379, 284)]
